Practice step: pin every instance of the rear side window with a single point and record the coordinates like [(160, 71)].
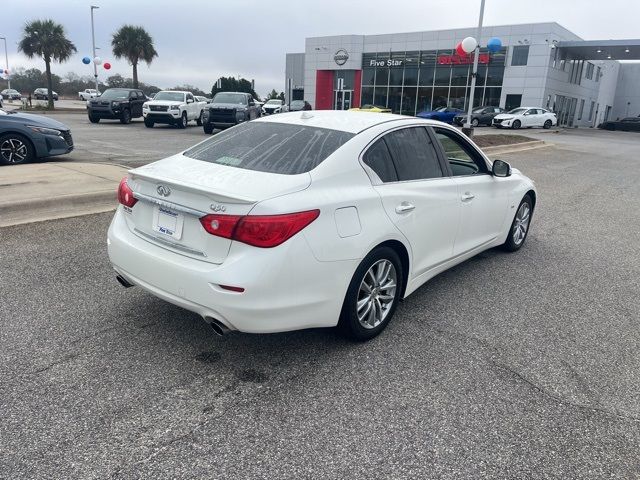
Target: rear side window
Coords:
[(377, 158), (271, 147), (413, 154)]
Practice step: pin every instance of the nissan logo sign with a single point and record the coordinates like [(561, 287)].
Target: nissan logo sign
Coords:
[(341, 56)]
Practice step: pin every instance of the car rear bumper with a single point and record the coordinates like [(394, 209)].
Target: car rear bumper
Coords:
[(280, 294)]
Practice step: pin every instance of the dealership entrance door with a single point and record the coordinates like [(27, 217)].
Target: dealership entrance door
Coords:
[(342, 99)]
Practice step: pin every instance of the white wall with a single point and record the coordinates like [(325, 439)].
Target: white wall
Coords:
[(627, 91)]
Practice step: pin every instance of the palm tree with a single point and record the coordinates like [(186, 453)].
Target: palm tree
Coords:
[(134, 44), (46, 39)]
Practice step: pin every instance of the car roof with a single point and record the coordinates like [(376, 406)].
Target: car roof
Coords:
[(174, 91), (346, 121)]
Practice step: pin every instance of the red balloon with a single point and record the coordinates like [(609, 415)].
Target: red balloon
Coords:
[(460, 51), (107, 66)]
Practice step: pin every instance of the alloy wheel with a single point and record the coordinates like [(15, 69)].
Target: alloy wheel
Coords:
[(376, 294), (521, 223), (14, 150)]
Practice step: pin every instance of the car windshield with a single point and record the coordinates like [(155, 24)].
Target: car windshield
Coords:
[(297, 103), (271, 147), (517, 110), (274, 102), (115, 94), (171, 96), (479, 110), (630, 119), (238, 98)]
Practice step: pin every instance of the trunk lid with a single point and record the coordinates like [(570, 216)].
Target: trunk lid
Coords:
[(175, 192)]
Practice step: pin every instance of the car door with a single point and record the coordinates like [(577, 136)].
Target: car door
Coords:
[(483, 198), (421, 201)]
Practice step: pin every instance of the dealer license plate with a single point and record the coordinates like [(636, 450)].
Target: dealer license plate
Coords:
[(168, 222)]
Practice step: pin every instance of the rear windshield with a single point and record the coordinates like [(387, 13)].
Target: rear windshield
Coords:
[(271, 147)]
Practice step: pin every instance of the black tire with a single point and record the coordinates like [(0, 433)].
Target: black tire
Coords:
[(93, 119), (516, 124), (125, 117), (475, 122), (547, 125), (16, 149), (149, 123), (199, 120), (182, 123), (349, 323), (208, 128), (514, 241)]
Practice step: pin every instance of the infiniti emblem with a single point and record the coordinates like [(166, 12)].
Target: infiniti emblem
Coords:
[(163, 190)]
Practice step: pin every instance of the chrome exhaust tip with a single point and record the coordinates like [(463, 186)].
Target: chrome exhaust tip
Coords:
[(123, 281), (218, 327)]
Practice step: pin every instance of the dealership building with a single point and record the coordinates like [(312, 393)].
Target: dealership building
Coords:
[(539, 65)]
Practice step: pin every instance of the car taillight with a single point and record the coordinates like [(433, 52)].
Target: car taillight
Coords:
[(125, 194), (264, 231)]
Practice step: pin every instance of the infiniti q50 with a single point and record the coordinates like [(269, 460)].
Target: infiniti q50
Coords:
[(313, 219)]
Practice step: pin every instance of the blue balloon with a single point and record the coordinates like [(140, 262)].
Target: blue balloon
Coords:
[(494, 45), (86, 60)]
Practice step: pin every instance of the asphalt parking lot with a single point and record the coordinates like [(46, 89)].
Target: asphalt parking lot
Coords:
[(134, 145), (521, 365)]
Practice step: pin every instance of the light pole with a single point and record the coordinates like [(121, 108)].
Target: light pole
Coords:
[(468, 129), (93, 40), (6, 57)]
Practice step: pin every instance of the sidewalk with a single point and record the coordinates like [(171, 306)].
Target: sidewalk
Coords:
[(46, 191)]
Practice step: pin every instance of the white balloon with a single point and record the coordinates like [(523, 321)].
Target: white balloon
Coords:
[(469, 44), (97, 60)]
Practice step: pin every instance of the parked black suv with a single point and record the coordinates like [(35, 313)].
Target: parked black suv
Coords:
[(228, 109), (117, 104)]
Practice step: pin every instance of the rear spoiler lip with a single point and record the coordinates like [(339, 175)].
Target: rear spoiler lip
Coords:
[(221, 196)]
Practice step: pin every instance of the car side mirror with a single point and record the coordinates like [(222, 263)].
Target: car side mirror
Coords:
[(501, 169)]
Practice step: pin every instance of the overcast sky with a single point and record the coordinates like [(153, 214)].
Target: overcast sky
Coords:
[(199, 41)]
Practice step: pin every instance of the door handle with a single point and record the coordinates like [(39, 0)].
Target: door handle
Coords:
[(404, 207), (467, 197)]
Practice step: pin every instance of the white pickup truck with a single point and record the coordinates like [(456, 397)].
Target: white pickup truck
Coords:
[(173, 107), (88, 94)]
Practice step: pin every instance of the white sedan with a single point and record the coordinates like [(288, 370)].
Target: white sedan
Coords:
[(525, 117), (313, 219)]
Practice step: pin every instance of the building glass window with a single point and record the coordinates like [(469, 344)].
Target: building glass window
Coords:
[(593, 104), (409, 95), (424, 99), (512, 101), (478, 97), (368, 76), (366, 96), (460, 75), (598, 72), (457, 97), (581, 109), (415, 81), (411, 67), (589, 74), (380, 96), (520, 55), (492, 96), (440, 97), (427, 67), (394, 99)]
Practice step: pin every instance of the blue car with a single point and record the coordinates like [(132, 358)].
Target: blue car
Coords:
[(444, 114), (25, 137)]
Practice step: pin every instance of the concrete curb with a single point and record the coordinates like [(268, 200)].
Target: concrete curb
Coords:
[(64, 206), (515, 147)]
